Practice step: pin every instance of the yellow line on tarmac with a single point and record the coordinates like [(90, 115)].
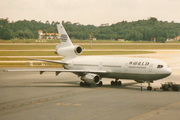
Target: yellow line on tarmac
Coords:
[(77, 104), (8, 107), (58, 104), (18, 105)]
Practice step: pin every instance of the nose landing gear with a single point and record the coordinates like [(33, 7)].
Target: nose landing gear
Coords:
[(149, 86)]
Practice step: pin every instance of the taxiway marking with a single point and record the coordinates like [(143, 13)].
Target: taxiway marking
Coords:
[(67, 104), (48, 99)]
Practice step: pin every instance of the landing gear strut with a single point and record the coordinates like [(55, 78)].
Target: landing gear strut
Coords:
[(149, 86), (116, 83)]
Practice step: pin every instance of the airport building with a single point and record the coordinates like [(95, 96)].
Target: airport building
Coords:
[(48, 35), (177, 38)]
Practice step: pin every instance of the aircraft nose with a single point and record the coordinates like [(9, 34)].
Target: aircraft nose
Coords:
[(168, 71)]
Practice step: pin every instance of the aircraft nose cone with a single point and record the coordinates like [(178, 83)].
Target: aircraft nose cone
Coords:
[(168, 71)]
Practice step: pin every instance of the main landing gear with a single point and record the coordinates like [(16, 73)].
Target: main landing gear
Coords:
[(149, 86), (116, 83), (85, 84)]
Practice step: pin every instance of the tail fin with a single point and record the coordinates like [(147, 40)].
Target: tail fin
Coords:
[(64, 38), (66, 49)]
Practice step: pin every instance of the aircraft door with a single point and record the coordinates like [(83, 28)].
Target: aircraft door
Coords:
[(100, 65), (150, 67), (126, 67)]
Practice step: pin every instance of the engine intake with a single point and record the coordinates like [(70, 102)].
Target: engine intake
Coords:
[(91, 78), (78, 50)]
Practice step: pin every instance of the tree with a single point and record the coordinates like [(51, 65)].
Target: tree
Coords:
[(161, 39), (47, 22), (6, 34)]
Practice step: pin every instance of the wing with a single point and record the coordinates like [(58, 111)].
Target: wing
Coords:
[(52, 61), (57, 71)]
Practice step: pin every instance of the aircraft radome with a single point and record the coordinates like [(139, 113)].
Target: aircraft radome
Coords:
[(91, 69)]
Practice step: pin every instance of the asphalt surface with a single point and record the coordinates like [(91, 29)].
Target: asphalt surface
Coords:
[(30, 96)]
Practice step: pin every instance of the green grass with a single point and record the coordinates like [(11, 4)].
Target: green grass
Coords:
[(115, 52), (27, 59), (75, 41), (27, 53), (27, 47), (35, 64), (177, 46), (50, 53), (119, 46), (29, 41)]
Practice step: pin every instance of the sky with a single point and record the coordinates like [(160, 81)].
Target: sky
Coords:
[(93, 12)]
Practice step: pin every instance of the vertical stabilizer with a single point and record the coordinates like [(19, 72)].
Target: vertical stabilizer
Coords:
[(64, 38)]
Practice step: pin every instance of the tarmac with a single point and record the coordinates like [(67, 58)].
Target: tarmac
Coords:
[(28, 95)]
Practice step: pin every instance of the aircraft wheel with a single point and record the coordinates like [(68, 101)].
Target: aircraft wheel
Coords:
[(119, 83), (116, 83), (149, 88), (81, 84), (112, 82), (100, 83), (86, 84)]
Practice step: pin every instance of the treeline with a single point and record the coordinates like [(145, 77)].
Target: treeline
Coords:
[(145, 30)]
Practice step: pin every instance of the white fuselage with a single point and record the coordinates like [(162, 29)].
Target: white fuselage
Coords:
[(139, 69)]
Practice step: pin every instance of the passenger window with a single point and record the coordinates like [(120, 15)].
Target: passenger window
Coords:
[(160, 66)]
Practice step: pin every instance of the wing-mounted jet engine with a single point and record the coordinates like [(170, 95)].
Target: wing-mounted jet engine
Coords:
[(90, 79)]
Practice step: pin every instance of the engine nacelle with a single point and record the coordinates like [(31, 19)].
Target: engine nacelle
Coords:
[(91, 78), (68, 51)]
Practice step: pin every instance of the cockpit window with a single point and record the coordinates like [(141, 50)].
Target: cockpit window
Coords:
[(160, 66)]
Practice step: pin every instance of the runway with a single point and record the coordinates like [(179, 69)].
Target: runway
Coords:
[(28, 95)]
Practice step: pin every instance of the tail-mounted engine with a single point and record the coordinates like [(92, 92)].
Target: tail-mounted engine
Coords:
[(91, 78), (69, 51)]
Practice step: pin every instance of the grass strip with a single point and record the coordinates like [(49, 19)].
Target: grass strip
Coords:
[(27, 64), (26, 59), (51, 53), (126, 46)]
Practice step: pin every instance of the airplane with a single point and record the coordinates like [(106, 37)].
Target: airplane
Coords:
[(91, 69)]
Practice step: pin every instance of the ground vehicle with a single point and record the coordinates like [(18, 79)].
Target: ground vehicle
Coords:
[(170, 85)]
